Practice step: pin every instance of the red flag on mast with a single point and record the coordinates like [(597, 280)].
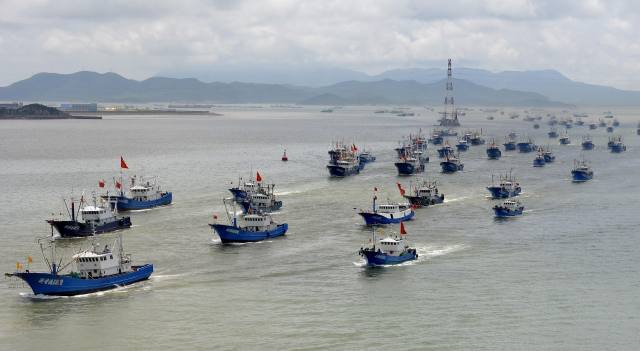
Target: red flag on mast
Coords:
[(258, 177), (118, 185), (101, 183), (123, 164), (402, 230), (400, 188)]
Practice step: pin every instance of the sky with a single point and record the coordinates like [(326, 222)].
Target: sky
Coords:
[(587, 40)]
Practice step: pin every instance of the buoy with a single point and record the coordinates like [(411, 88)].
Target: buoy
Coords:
[(284, 156)]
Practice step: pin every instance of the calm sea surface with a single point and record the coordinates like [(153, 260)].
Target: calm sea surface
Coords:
[(565, 276)]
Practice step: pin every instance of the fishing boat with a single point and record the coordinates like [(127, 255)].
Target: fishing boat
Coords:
[(553, 133), (89, 271), (451, 164), (476, 138), (536, 126), (579, 122), (366, 157), (509, 208), (548, 155), (143, 193), (422, 194), (248, 227), (344, 161), (602, 123), (581, 171), (609, 129), (587, 143), (564, 139), (506, 187), (91, 218), (593, 126), (617, 146), (526, 146), (493, 151), (243, 190), (390, 250), (445, 151), (539, 160), (447, 132), (263, 200), (285, 158), (390, 212), (462, 145), (638, 129), (411, 163), (615, 123), (510, 145)]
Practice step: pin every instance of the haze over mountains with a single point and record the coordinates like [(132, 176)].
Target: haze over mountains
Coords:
[(415, 86)]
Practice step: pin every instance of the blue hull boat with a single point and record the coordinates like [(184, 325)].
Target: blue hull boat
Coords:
[(367, 158), (451, 167), (538, 162), (494, 153), (377, 219), (510, 146), (587, 145), (502, 213), (75, 229), (375, 258), (437, 140), (68, 285), (565, 141), (231, 234), (238, 194), (618, 148), (445, 151), (128, 204), (498, 192), (246, 205), (526, 147), (581, 176), (408, 168), (462, 147), (340, 171), (549, 158)]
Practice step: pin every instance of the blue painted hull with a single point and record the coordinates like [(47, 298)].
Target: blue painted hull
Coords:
[(437, 140), (587, 146), (376, 219), (367, 159), (340, 171), (477, 141), (501, 212), (539, 162), (66, 285), (442, 153), (509, 146), (565, 141), (553, 135), (500, 193), (618, 148), (127, 204), (549, 158), (494, 153), (462, 147), (450, 167), (238, 194), (579, 176), (231, 234), (406, 168), (425, 201), (526, 147), (74, 229), (381, 259)]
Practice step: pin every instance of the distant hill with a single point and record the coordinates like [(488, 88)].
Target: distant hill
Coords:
[(549, 83), (110, 87)]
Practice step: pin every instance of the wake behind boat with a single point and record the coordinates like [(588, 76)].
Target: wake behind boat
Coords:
[(95, 270)]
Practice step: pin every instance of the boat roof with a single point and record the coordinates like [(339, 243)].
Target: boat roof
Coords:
[(92, 208), (390, 240), (139, 187)]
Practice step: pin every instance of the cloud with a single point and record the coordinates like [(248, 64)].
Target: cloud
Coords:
[(592, 41)]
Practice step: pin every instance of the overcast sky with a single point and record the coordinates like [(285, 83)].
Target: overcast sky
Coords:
[(589, 40)]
